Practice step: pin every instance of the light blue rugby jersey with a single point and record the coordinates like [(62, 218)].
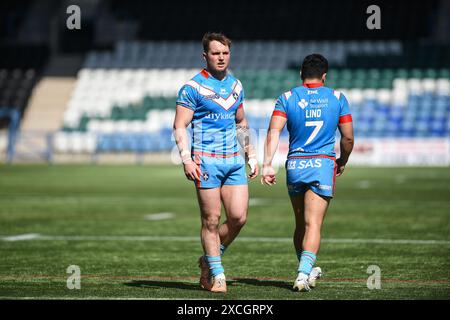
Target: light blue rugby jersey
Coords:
[(313, 113), (214, 103)]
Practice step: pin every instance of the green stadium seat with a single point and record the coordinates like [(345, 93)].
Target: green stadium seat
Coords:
[(444, 73), (402, 73), (83, 123), (417, 73), (431, 73)]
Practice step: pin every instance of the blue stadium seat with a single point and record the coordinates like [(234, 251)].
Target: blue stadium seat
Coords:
[(104, 143)]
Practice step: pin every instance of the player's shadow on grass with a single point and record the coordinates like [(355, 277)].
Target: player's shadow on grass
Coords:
[(162, 284), (195, 286), (261, 283)]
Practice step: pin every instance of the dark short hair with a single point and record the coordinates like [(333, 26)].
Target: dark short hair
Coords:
[(314, 66), (215, 36)]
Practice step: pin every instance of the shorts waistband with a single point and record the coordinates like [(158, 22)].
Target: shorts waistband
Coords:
[(215, 155), (311, 157)]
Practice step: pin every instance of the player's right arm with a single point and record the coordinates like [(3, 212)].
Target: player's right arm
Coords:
[(347, 138), (277, 123), (183, 118), (186, 106)]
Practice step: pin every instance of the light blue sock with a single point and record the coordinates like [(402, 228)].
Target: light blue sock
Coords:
[(215, 265), (222, 249), (307, 261)]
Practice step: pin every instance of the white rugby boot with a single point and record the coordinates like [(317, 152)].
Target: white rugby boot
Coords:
[(315, 274), (215, 284), (301, 283)]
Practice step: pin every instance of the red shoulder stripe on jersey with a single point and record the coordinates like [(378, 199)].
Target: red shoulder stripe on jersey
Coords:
[(204, 73), (346, 118), (241, 106), (279, 113)]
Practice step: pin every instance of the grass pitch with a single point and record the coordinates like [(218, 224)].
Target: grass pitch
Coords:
[(101, 218)]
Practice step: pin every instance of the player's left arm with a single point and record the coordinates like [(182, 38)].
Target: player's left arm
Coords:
[(243, 136), (346, 143), (347, 137)]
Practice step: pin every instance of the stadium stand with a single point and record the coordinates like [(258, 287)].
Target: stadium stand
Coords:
[(19, 70), (283, 20), (18, 76), (123, 96), (15, 87)]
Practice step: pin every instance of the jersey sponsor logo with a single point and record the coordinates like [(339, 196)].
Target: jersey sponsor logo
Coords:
[(303, 104), (319, 102), (220, 116), (313, 92), (212, 97)]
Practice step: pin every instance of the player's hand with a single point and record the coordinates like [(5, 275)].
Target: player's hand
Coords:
[(268, 175), (340, 167), (191, 170), (254, 168)]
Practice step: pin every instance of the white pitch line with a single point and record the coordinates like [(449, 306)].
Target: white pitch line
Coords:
[(159, 216), (38, 237), (21, 237), (364, 184), (258, 202)]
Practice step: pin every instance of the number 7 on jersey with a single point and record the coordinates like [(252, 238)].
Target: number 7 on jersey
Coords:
[(317, 125)]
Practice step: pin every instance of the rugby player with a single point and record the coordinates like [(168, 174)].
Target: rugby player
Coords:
[(312, 113), (212, 102)]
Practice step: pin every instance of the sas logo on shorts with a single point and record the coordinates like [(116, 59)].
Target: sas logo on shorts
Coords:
[(304, 164), (205, 176)]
